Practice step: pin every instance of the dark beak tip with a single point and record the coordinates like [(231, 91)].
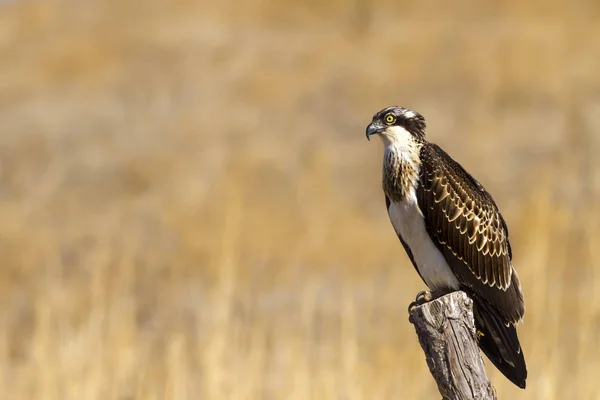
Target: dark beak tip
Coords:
[(371, 130)]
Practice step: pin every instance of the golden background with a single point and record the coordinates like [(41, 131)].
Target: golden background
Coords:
[(189, 208)]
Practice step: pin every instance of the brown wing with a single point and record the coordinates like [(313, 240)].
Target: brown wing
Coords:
[(471, 233)]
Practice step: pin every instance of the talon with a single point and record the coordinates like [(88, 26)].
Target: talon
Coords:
[(411, 306), (422, 298)]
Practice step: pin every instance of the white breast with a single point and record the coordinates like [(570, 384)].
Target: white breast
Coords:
[(408, 222)]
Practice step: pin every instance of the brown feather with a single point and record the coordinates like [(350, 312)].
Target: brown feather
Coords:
[(463, 218), (453, 211)]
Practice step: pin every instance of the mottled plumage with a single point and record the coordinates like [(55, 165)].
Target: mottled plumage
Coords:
[(471, 233), (453, 233)]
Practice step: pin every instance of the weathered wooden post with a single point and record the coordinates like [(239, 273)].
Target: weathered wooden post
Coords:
[(446, 331)]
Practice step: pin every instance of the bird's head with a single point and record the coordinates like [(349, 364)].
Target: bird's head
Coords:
[(397, 123)]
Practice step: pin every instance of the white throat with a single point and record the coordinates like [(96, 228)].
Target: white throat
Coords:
[(401, 162), (398, 140), (397, 136)]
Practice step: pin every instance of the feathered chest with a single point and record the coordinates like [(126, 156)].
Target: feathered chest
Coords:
[(401, 167)]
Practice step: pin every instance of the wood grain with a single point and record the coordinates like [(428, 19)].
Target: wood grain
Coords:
[(446, 332)]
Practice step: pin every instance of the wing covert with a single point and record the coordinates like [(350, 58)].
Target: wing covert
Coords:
[(464, 219)]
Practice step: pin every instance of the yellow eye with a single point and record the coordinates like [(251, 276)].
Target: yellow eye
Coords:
[(390, 119)]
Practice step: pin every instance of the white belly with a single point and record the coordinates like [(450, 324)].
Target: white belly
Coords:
[(409, 224)]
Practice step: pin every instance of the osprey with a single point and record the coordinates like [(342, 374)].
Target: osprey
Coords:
[(453, 234)]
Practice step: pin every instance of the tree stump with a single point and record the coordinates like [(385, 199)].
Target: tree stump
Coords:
[(446, 331)]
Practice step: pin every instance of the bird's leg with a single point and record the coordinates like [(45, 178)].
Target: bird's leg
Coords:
[(422, 298)]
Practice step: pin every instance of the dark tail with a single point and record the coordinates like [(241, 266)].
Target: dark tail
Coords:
[(499, 342)]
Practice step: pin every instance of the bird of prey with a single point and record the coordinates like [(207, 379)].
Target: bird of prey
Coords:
[(453, 233)]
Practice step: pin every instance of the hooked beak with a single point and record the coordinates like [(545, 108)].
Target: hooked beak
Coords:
[(372, 129)]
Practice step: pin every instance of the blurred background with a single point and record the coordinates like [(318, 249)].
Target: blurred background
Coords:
[(189, 208)]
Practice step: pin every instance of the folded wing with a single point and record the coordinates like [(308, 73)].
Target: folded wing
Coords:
[(469, 231)]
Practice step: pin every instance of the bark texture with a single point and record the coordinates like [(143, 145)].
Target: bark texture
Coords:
[(446, 331)]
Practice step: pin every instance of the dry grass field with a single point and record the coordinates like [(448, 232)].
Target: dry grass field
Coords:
[(189, 208)]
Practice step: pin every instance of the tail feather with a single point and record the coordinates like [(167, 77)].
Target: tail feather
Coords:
[(499, 342)]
